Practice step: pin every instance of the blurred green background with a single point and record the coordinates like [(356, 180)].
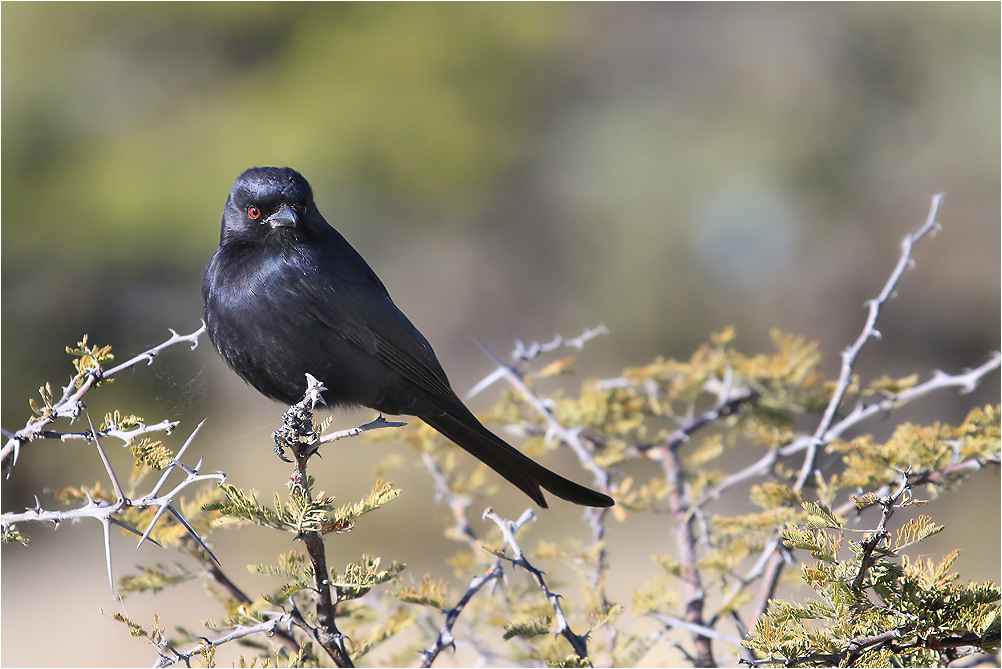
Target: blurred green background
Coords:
[(509, 171)]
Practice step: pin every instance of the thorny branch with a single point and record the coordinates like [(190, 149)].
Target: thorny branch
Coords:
[(967, 382), (823, 434), (70, 404), (444, 639), (106, 512), (523, 353), (299, 436), (215, 572), (870, 543), (870, 331), (508, 528), (268, 627)]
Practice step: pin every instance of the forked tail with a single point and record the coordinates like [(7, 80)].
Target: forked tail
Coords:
[(523, 472)]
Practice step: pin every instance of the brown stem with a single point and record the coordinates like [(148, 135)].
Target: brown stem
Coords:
[(298, 435), (685, 541), (326, 632)]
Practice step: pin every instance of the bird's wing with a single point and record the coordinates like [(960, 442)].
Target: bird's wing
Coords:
[(367, 317)]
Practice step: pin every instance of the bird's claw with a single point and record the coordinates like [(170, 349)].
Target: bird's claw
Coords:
[(280, 452)]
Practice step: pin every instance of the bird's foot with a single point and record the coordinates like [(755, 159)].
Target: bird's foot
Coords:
[(280, 451)]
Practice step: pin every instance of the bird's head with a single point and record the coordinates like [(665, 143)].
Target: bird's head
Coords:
[(265, 201)]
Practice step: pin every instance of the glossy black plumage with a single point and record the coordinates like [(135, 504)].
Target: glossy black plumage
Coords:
[(285, 294)]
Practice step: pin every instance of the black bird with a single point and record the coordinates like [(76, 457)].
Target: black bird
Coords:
[(285, 294)]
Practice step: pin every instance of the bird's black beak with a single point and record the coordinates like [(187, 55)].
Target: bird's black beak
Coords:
[(285, 217)]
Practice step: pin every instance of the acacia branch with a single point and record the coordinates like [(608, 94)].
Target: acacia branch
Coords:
[(298, 435), (578, 643), (870, 331), (870, 543), (849, 357), (267, 628), (685, 545), (107, 512), (444, 639), (967, 382), (70, 405)]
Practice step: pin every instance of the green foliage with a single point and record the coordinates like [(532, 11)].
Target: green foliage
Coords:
[(430, 593), (154, 579), (9, 534), (923, 449), (527, 629), (355, 581), (358, 579), (42, 412), (302, 513), (343, 517), (293, 567), (151, 453), (88, 359), (917, 613), (243, 506)]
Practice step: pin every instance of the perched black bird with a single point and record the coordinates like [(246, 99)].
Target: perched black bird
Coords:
[(285, 294)]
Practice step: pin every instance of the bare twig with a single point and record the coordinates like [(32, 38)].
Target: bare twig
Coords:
[(376, 424), (523, 353), (870, 331), (445, 639), (112, 430), (701, 630), (578, 642), (267, 628)]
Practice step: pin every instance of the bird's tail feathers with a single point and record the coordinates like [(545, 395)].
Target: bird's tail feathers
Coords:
[(520, 470)]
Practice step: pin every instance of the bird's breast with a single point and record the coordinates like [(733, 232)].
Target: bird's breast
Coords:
[(262, 317)]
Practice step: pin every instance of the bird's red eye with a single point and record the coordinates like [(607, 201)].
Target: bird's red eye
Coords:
[(253, 212)]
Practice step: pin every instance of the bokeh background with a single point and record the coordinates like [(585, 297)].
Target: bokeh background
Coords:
[(509, 171)]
